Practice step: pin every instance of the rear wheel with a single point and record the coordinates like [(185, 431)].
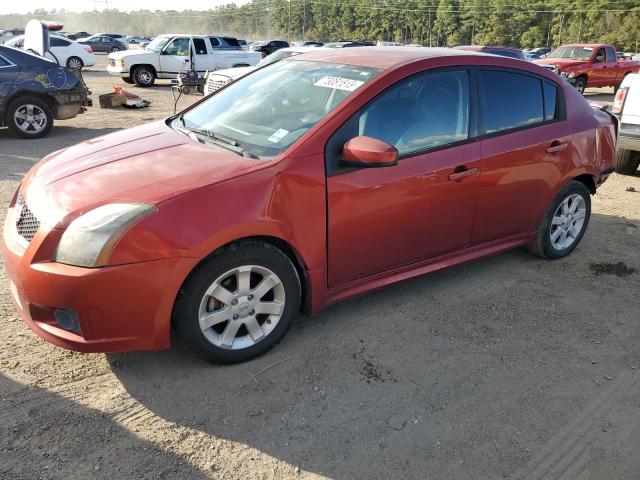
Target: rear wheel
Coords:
[(627, 161), (115, 49), (564, 223), (144, 77), (75, 63), (29, 117), (239, 303)]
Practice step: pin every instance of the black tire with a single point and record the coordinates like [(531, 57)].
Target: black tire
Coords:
[(21, 102), (627, 161), (73, 61), (144, 77), (115, 49), (128, 80), (581, 84), (187, 306), (542, 245)]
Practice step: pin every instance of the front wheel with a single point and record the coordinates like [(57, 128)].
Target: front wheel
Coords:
[(29, 117), (581, 84), (239, 303), (144, 77), (564, 223), (627, 161)]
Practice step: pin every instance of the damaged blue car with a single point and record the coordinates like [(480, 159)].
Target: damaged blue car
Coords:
[(35, 90)]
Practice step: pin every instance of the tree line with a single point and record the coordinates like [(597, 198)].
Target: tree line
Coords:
[(518, 23)]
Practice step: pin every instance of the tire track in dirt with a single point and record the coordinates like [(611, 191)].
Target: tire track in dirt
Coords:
[(564, 456)]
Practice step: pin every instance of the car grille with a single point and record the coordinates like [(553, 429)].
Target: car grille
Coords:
[(215, 82), (26, 223)]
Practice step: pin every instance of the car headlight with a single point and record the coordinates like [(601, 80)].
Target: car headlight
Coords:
[(89, 240), (572, 75)]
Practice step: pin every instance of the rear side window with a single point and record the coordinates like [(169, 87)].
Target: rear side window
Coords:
[(4, 62), (511, 100), (231, 41), (422, 112), (214, 42), (58, 42), (611, 54), (200, 46)]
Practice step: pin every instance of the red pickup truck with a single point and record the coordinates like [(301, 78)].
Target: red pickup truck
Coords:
[(589, 65)]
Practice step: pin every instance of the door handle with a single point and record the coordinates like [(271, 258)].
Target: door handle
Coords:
[(556, 147), (459, 175)]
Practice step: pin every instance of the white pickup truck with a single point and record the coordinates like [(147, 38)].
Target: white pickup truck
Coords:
[(168, 55)]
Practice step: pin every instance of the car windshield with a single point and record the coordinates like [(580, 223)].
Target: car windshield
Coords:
[(576, 53), (262, 114), (157, 44)]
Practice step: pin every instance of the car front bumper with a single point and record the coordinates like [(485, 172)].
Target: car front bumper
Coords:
[(118, 308), (118, 71)]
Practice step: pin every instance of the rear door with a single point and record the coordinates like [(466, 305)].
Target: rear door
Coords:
[(203, 58), (423, 207), (525, 140)]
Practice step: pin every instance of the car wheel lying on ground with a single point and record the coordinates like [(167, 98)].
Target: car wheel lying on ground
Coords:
[(295, 187)]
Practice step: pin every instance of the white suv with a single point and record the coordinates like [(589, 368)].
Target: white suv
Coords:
[(626, 107), (168, 55)]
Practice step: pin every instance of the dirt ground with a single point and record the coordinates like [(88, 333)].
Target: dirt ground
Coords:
[(507, 367)]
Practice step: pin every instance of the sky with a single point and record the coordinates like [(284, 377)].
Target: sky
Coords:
[(12, 6)]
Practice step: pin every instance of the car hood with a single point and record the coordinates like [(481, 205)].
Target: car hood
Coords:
[(559, 62), (131, 54), (234, 73), (146, 164)]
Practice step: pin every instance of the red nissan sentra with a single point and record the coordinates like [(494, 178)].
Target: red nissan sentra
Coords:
[(306, 182)]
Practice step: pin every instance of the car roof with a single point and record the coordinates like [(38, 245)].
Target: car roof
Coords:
[(380, 57)]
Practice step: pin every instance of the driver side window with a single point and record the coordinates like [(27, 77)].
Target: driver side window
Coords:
[(600, 57), (179, 46), (425, 111)]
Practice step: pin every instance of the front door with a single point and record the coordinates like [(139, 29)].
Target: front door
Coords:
[(173, 56), (383, 218), (600, 69)]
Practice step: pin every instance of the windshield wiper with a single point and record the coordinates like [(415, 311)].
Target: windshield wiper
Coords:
[(224, 142)]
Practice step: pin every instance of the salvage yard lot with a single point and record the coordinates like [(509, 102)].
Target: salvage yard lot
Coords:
[(506, 367)]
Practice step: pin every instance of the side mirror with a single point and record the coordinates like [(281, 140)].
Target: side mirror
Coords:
[(367, 152)]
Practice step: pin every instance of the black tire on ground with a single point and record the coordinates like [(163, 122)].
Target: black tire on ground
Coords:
[(144, 77), (542, 245), (20, 102), (627, 161), (115, 49), (581, 84), (75, 62), (128, 80), (187, 305)]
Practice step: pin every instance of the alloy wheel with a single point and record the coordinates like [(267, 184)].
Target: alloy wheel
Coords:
[(75, 63), (241, 307), (567, 222), (30, 118), (144, 77)]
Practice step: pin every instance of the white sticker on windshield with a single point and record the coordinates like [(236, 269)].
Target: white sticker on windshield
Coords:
[(278, 135), (339, 83)]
